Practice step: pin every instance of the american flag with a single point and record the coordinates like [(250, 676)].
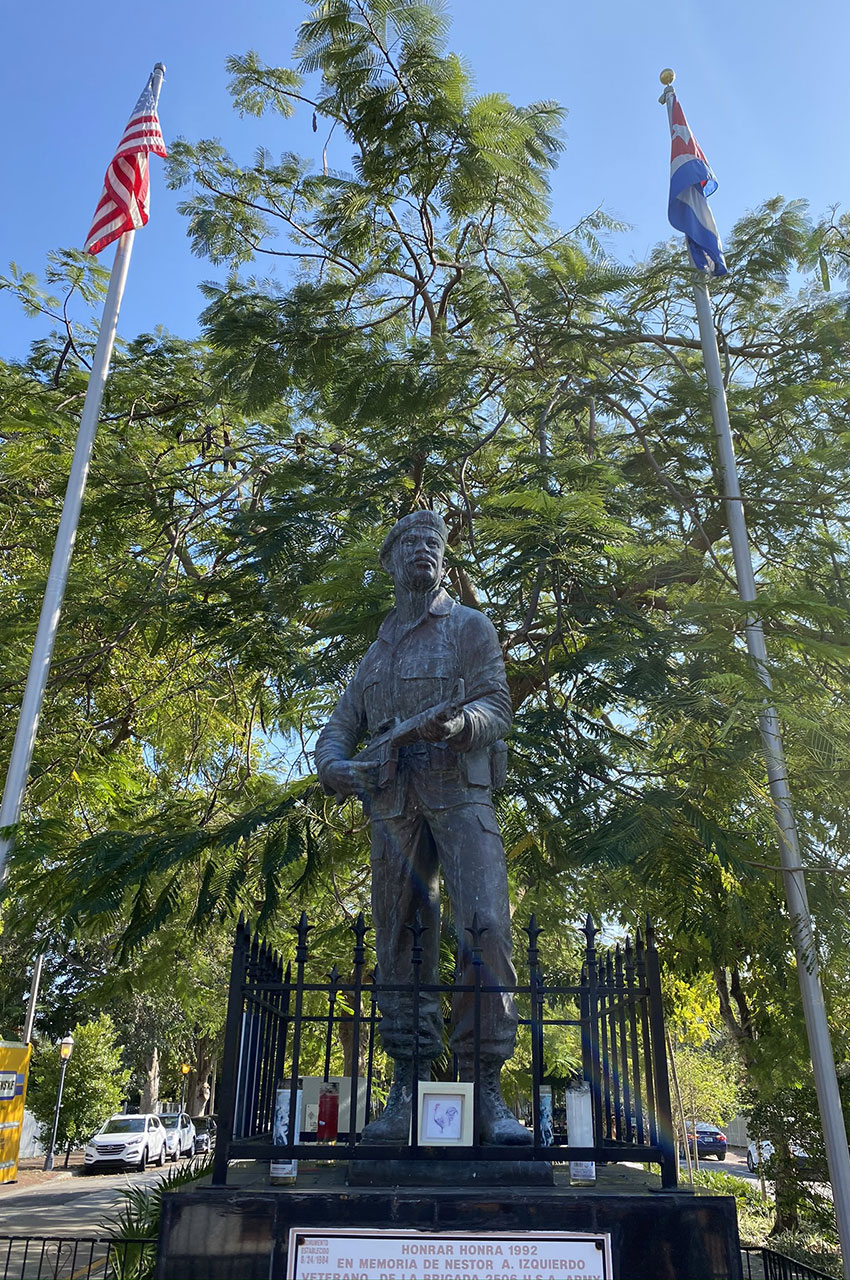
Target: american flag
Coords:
[(691, 182), (126, 189)]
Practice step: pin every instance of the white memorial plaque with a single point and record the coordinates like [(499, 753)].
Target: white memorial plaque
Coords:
[(316, 1254)]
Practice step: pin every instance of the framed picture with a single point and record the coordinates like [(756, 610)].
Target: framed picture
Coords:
[(445, 1114)]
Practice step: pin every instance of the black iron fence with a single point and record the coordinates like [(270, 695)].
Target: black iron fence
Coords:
[(66, 1258), (766, 1264), (279, 1017)]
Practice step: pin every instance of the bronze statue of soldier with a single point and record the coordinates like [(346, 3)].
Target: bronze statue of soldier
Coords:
[(432, 697)]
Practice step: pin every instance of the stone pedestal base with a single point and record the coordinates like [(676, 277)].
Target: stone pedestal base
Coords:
[(446, 1173), (232, 1233)]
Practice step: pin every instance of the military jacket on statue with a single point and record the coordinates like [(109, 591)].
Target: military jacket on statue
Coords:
[(410, 669)]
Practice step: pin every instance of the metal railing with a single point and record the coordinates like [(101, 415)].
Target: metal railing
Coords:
[(766, 1264), (279, 1018), (72, 1258)]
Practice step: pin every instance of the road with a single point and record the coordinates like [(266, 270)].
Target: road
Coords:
[(735, 1163), (76, 1206)]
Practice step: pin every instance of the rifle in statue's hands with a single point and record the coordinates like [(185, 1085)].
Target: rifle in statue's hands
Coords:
[(381, 754)]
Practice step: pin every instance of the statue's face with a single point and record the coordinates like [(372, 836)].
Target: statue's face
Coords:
[(418, 558)]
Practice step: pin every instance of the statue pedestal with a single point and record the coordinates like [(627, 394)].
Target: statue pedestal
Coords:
[(447, 1173), (243, 1232)]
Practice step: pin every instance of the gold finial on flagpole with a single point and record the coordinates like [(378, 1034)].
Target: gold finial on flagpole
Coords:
[(668, 75)]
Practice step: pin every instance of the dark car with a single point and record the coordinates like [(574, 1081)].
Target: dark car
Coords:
[(711, 1141), (204, 1134)]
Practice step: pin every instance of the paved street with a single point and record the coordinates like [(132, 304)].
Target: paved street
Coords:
[(73, 1206), (735, 1163)]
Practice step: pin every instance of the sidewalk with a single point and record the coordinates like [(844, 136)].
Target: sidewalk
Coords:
[(31, 1171)]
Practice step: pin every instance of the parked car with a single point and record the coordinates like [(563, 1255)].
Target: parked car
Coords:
[(128, 1142), (711, 1141), (800, 1156), (179, 1134), (205, 1128)]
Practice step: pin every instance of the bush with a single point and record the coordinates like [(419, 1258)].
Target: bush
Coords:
[(95, 1081)]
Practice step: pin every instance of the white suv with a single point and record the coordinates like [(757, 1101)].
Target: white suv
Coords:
[(179, 1134), (128, 1141)]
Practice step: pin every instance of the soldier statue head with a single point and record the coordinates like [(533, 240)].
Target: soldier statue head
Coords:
[(413, 551)]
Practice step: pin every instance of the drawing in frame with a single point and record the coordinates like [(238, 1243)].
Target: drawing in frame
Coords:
[(445, 1114)]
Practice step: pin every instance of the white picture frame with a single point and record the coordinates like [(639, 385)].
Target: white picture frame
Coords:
[(445, 1114)]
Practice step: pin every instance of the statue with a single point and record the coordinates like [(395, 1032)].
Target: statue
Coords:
[(432, 696)]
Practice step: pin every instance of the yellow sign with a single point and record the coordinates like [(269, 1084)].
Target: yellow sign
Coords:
[(14, 1073)]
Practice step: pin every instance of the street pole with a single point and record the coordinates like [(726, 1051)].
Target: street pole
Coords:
[(57, 579), (65, 1050), (34, 985), (814, 1010)]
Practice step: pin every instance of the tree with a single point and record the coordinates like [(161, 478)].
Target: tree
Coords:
[(436, 340), (95, 1083)]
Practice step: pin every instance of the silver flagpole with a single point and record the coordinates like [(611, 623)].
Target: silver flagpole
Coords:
[(814, 1010), (57, 579)]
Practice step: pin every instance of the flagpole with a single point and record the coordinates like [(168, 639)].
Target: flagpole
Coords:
[(57, 579), (814, 1009)]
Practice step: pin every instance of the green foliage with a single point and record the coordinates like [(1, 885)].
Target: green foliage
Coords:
[(708, 1080), (139, 1218), (95, 1083), (419, 332)]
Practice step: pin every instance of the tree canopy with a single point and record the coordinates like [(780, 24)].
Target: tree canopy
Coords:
[(417, 330)]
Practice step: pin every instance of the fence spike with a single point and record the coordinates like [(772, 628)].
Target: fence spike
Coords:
[(476, 930), (589, 930), (650, 935), (417, 928)]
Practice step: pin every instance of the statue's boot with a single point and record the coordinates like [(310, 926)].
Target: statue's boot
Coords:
[(498, 1123), (393, 1124)]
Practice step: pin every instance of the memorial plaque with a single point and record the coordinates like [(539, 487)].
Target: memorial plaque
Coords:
[(415, 1255)]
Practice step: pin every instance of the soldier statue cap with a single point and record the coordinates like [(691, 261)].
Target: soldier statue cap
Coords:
[(430, 518)]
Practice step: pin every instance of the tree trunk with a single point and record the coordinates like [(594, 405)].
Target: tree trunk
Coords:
[(198, 1088), (735, 1012), (213, 1069), (150, 1091), (786, 1188)]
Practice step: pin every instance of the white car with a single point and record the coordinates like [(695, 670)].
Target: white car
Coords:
[(800, 1156), (179, 1134), (128, 1141)]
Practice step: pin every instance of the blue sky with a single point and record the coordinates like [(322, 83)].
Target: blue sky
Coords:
[(763, 83)]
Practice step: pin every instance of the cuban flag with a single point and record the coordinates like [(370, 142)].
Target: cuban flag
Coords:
[(691, 182)]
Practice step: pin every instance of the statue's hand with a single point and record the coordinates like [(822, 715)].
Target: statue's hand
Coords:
[(351, 777), (443, 725)]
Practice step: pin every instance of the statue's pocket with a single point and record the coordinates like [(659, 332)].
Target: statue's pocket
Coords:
[(487, 818)]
